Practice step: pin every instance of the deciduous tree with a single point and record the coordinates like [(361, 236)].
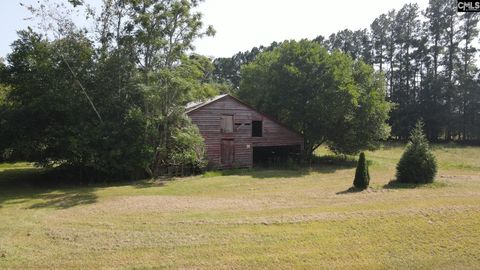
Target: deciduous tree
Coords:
[(326, 97)]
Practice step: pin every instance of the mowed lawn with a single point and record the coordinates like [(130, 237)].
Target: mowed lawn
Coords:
[(250, 219)]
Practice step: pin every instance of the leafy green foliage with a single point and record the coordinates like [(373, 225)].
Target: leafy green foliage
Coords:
[(4, 91), (362, 175), (227, 70), (417, 164), (331, 98), (49, 121), (355, 43), (165, 96), (367, 128), (187, 147), (116, 110)]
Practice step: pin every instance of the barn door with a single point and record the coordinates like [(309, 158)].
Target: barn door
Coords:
[(227, 153)]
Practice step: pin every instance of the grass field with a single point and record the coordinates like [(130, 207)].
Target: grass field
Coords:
[(249, 219)]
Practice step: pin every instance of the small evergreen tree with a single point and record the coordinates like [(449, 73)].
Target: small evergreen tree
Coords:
[(362, 176), (418, 164)]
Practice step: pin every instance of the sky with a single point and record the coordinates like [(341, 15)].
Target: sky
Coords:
[(243, 24)]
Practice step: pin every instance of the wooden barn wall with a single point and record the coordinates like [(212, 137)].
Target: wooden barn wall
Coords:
[(208, 121)]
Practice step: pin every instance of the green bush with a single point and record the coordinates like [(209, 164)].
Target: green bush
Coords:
[(418, 164), (362, 176)]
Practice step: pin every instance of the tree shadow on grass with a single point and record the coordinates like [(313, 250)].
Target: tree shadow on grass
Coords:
[(22, 185), (262, 172), (341, 161), (19, 186), (326, 164), (350, 190), (148, 183), (394, 184), (20, 177), (272, 172), (65, 199)]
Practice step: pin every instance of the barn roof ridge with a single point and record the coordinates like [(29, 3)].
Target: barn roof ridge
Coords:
[(192, 106)]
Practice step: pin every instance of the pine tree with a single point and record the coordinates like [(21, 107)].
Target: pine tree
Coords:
[(362, 176), (466, 72), (450, 60), (379, 41), (417, 164)]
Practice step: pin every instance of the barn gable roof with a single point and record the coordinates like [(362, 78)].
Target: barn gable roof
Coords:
[(193, 106)]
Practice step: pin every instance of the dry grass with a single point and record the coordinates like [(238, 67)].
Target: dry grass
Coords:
[(251, 219)]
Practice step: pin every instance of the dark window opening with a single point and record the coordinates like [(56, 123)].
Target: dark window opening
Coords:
[(257, 129)]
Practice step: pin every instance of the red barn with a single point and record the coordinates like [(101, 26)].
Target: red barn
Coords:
[(236, 135)]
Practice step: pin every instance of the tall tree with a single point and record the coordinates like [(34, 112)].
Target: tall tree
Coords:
[(379, 40), (450, 58), (391, 48), (467, 70), (407, 40), (331, 98), (436, 25), (162, 32), (432, 92)]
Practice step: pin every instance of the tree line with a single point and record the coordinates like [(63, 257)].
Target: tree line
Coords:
[(108, 103), (428, 58), (111, 104)]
